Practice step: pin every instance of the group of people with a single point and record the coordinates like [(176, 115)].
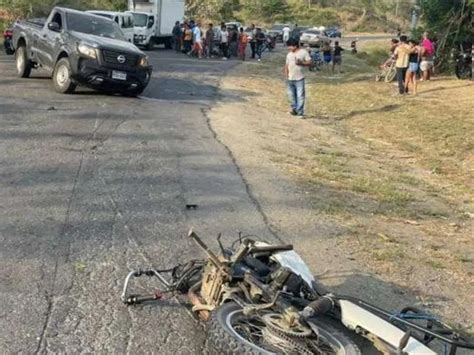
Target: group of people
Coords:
[(413, 59), (218, 41), (332, 55)]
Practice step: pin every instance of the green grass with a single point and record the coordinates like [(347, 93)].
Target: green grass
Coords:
[(373, 55)]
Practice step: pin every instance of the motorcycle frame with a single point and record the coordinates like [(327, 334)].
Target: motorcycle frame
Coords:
[(278, 299)]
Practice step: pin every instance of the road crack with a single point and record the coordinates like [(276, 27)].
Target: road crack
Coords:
[(248, 189)]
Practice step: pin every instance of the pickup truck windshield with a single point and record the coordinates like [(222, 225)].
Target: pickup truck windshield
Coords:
[(94, 26), (140, 20)]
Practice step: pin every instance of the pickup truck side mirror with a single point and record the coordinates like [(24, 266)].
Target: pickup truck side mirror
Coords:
[(54, 26)]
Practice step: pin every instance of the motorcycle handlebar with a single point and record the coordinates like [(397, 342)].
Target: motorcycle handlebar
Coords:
[(136, 299)]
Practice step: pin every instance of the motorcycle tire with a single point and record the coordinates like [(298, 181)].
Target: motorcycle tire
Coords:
[(463, 72), (223, 339)]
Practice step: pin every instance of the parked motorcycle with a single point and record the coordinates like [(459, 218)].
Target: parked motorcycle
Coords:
[(7, 41), (260, 298), (463, 63), (270, 42)]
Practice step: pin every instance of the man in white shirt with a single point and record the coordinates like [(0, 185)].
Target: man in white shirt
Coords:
[(197, 39), (296, 59), (286, 34), (224, 43)]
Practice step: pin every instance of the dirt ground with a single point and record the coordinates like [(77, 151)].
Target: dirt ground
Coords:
[(383, 183)]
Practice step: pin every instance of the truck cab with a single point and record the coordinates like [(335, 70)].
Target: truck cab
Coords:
[(123, 19), (154, 20), (144, 28)]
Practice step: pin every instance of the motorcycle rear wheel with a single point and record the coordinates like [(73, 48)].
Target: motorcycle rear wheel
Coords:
[(224, 336)]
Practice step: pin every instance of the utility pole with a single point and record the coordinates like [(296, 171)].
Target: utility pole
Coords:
[(397, 5)]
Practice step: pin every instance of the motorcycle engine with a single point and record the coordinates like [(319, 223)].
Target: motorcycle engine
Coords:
[(284, 279)]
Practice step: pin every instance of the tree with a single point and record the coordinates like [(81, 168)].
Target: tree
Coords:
[(267, 11), (450, 22)]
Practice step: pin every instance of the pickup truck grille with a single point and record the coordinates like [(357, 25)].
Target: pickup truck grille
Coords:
[(119, 58)]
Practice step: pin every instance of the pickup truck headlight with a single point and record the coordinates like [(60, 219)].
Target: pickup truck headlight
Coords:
[(143, 61), (87, 51)]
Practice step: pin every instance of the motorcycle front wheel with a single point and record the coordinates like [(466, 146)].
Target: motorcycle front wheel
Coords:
[(233, 333), (463, 72)]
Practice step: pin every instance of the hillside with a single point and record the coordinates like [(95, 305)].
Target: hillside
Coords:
[(352, 15)]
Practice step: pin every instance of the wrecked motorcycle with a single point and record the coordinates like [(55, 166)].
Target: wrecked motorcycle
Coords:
[(259, 298)]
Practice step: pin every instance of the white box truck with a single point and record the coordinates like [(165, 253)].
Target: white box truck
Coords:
[(154, 21)]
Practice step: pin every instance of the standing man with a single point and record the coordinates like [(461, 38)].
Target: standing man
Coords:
[(197, 39), (224, 43), (402, 52), (233, 41), (296, 32), (337, 57), (286, 34), (260, 40), (209, 41), (296, 59), (253, 40), (177, 34)]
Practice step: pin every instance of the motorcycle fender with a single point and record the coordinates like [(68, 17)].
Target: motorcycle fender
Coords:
[(354, 316)]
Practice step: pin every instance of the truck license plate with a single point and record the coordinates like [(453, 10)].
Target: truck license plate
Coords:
[(119, 75)]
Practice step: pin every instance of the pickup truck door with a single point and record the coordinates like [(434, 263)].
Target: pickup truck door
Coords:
[(50, 41)]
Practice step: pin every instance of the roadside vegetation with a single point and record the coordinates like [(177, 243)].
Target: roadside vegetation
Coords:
[(353, 15), (12, 9), (396, 172)]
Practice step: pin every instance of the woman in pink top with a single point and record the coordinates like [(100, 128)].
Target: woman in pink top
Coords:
[(427, 52)]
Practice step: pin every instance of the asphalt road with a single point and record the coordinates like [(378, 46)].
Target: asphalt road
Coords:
[(95, 185)]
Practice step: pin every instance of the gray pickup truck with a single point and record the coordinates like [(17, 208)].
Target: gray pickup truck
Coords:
[(80, 48)]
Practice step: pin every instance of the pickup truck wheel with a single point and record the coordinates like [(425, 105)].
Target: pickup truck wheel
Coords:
[(62, 77), (23, 64)]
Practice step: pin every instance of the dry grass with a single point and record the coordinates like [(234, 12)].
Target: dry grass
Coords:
[(380, 160)]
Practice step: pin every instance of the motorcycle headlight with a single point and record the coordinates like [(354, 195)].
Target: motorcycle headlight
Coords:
[(87, 51), (143, 61)]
